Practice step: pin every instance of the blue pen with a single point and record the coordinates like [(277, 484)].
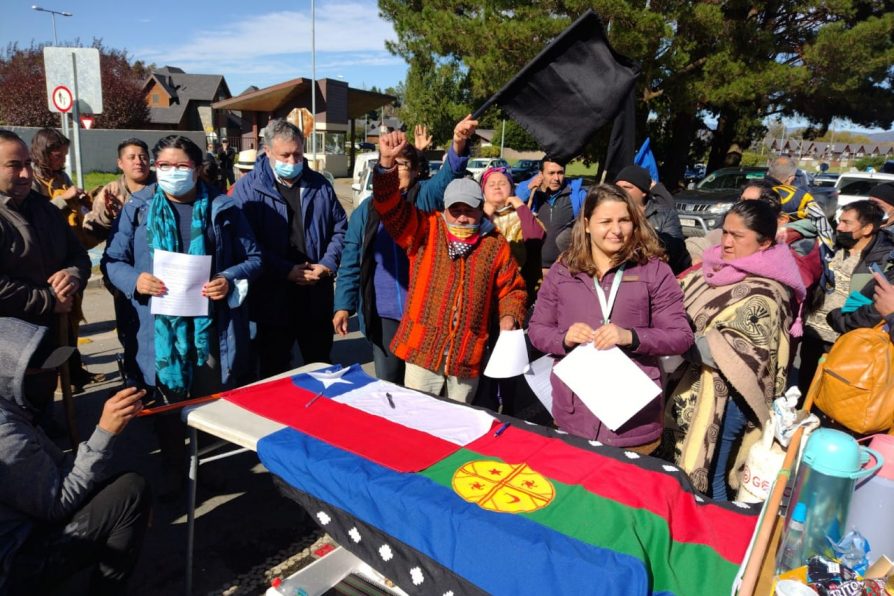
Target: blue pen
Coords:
[(502, 429)]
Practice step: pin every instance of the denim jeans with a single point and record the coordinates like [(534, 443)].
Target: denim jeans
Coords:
[(732, 427)]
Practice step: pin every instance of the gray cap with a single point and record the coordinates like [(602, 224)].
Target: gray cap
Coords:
[(463, 190)]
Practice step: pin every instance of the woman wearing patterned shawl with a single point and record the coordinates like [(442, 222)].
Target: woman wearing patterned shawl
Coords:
[(179, 356), (742, 301), (518, 225)]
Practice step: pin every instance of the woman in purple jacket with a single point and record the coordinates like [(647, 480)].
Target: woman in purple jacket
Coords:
[(645, 316)]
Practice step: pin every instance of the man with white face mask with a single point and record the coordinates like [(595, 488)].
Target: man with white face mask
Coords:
[(300, 227)]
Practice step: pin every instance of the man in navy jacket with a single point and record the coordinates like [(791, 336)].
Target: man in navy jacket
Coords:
[(300, 227)]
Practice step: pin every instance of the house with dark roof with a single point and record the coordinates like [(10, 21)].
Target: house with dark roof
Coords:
[(181, 101)]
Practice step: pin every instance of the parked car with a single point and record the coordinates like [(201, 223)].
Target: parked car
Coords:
[(854, 186), (524, 169), (701, 209), (477, 166), (825, 179), (434, 166)]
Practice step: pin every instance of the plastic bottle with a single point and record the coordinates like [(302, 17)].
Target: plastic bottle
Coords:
[(793, 542)]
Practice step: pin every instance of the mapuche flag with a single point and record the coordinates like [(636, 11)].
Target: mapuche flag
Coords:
[(573, 88), (527, 512)]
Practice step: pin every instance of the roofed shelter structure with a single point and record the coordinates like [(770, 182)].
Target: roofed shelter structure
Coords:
[(337, 104)]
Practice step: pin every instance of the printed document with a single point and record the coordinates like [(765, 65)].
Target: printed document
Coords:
[(183, 275)]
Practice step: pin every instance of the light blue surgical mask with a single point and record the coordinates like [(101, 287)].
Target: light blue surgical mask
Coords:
[(288, 171), (176, 182)]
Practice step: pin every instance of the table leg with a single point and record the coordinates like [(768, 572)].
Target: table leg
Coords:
[(191, 505)]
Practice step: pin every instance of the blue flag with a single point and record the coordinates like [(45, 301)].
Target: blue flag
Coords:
[(646, 159)]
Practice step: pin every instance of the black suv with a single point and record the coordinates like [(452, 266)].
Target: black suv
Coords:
[(701, 209)]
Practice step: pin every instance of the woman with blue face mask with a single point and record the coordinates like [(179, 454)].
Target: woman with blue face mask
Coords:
[(179, 357)]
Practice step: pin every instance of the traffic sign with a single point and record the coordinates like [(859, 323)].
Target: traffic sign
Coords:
[(61, 64), (87, 121), (62, 98)]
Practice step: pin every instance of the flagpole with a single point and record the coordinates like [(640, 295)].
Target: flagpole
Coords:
[(313, 89)]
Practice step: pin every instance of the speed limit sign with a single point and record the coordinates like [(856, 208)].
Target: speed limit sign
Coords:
[(63, 98)]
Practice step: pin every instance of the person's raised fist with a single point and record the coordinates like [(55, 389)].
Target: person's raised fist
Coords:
[(390, 146)]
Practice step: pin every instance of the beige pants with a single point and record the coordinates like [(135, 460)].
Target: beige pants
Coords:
[(460, 389)]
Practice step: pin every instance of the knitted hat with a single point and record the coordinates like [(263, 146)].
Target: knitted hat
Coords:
[(463, 190), (883, 192), (637, 176)]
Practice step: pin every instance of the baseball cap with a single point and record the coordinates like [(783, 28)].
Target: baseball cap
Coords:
[(463, 190)]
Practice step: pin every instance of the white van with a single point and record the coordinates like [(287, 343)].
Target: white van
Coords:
[(363, 176)]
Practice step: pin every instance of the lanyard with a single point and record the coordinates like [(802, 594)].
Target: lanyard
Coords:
[(607, 305)]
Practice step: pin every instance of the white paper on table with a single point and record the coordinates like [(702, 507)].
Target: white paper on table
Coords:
[(510, 356), (452, 422), (609, 383), (183, 276), (539, 380)]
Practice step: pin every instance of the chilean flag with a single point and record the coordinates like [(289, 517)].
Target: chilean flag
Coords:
[(395, 427)]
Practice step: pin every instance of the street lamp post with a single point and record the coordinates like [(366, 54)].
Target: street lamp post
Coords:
[(64, 115), (313, 90), (53, 14)]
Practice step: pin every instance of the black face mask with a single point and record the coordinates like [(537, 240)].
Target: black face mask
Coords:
[(845, 240)]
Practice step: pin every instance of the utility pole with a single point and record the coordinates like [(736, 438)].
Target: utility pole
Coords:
[(64, 115)]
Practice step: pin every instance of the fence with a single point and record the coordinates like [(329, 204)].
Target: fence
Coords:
[(99, 147)]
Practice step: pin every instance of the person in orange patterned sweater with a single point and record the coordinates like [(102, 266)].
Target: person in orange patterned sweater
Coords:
[(461, 274)]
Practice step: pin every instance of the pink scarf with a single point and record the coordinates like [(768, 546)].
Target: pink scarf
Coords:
[(776, 263)]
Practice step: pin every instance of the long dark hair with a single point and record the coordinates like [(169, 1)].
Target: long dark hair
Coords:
[(45, 141), (643, 245)]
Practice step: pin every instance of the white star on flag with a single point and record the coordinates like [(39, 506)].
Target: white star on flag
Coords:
[(329, 378)]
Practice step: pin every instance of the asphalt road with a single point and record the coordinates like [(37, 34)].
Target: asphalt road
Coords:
[(245, 530)]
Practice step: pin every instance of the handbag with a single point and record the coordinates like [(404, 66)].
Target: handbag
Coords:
[(854, 382)]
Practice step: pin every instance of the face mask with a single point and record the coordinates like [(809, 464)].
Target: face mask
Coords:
[(176, 182), (462, 231), (288, 171), (845, 240)]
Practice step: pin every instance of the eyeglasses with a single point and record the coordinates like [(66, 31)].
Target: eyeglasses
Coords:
[(167, 167), (404, 165)]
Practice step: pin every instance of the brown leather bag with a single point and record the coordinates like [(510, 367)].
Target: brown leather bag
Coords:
[(854, 383)]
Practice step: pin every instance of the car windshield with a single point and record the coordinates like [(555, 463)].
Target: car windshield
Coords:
[(477, 163), (729, 180), (856, 186)]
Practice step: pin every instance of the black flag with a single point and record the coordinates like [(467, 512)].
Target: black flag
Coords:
[(574, 87)]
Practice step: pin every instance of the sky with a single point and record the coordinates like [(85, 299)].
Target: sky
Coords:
[(256, 42)]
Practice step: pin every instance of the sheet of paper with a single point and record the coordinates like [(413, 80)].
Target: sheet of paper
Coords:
[(538, 379), (510, 356), (452, 422), (183, 276), (609, 383)]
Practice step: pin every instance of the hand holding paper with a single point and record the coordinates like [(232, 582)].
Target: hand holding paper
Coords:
[(184, 278), (609, 383)]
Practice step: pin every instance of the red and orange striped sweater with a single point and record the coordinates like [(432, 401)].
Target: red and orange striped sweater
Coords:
[(450, 303)]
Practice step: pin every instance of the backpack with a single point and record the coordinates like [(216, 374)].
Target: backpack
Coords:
[(854, 383)]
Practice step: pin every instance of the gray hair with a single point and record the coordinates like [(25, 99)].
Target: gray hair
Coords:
[(782, 168), (280, 128)]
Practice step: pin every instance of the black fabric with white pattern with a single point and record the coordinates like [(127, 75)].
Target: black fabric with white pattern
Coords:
[(413, 571)]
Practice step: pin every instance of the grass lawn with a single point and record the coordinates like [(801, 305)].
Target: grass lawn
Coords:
[(94, 179), (577, 168)]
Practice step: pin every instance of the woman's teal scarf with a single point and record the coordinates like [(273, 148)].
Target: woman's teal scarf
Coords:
[(181, 343)]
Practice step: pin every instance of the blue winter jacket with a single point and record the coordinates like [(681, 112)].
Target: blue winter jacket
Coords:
[(354, 291), (267, 212), (236, 257)]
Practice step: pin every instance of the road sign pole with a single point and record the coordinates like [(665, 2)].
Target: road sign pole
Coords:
[(66, 131), (76, 121)]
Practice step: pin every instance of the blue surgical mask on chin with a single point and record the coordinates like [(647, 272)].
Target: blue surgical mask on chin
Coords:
[(176, 182), (288, 171)]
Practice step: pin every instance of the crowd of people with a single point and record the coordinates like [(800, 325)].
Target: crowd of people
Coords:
[(434, 268)]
